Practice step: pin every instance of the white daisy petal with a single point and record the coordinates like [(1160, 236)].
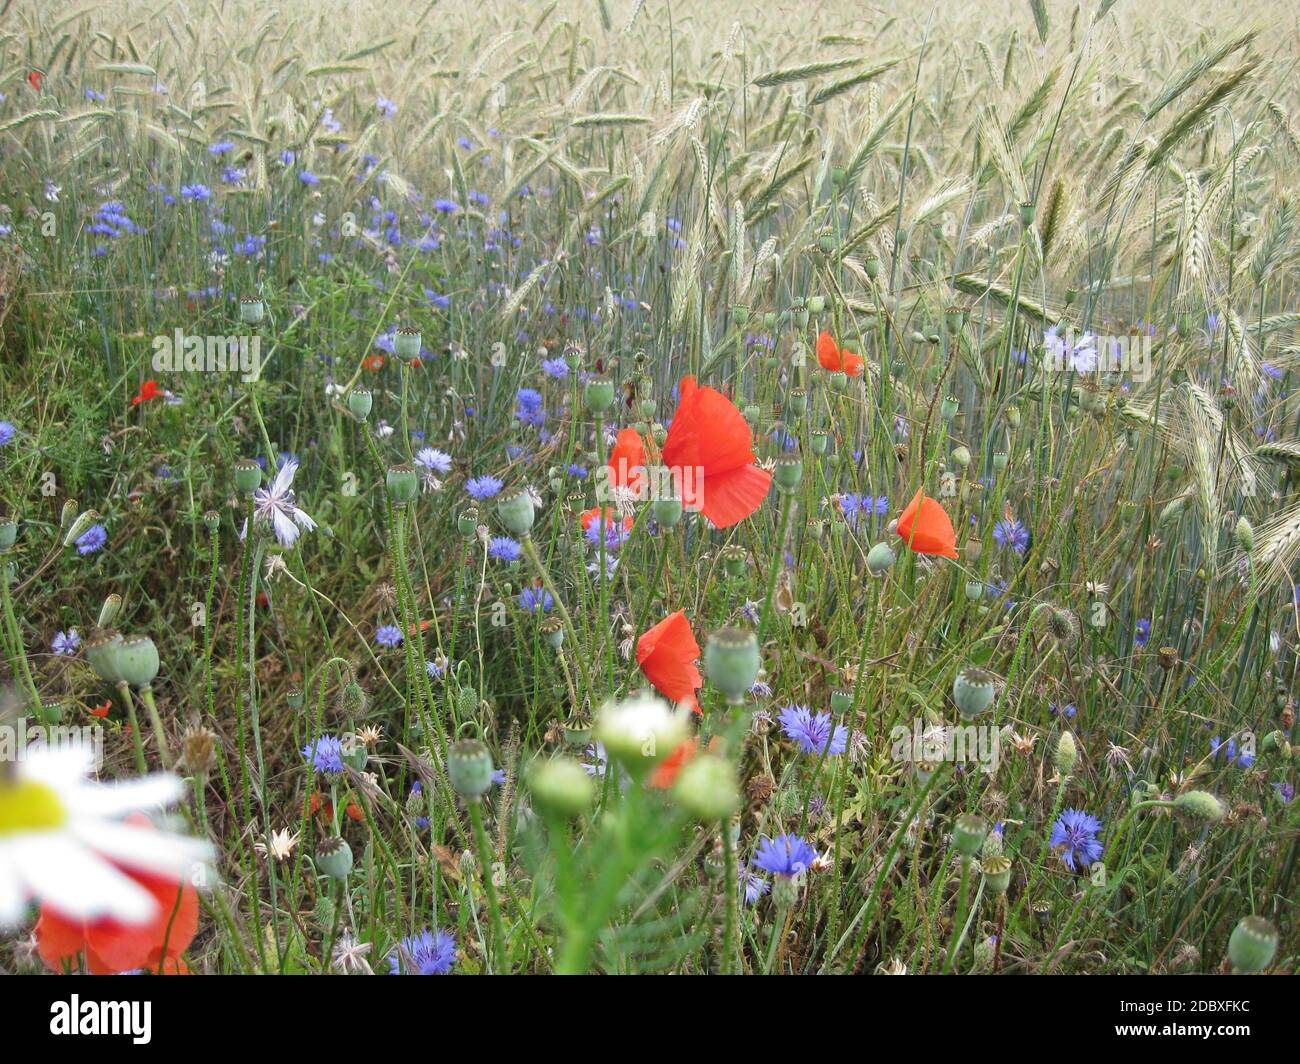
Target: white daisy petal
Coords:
[(120, 798), (77, 883), (13, 899), (145, 850), (285, 530), (284, 479)]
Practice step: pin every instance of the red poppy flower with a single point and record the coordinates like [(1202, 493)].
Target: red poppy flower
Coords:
[(34, 79), (838, 359), (422, 625), (374, 363), (148, 390), (110, 946), (709, 449), (589, 517), (665, 773), (926, 528), (667, 655), (627, 461), (101, 710)]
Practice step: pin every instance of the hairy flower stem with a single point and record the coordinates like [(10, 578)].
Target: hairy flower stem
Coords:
[(732, 888), (16, 635), (124, 690), (496, 953), (530, 548), (958, 935), (155, 722), (777, 556)]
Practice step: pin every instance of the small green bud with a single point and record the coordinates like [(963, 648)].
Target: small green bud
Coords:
[(667, 512), (108, 610), (561, 787), (78, 527), (1066, 755), (1202, 805), (1245, 535), (8, 533), (880, 559), (961, 456), (706, 788), (516, 511)]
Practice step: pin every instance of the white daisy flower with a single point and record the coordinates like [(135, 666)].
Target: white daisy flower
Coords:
[(275, 504), (63, 840)]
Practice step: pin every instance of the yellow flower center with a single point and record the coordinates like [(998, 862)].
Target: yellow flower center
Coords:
[(29, 806)]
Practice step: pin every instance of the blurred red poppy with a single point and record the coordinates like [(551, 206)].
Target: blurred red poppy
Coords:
[(838, 359), (148, 390), (627, 461), (926, 527)]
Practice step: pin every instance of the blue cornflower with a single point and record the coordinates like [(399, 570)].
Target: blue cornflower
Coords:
[(428, 953), (221, 147), (1068, 710), (535, 598), (1074, 837), (752, 885), (483, 487), (325, 754), (446, 206), (308, 178), (504, 549), (1285, 792), (786, 855), (1142, 632), (65, 643), (388, 635), (91, 540), (196, 192), (433, 460), (1228, 750), (530, 410), (555, 368), (386, 107), (576, 470), (6, 432), (616, 533), (436, 669), (812, 731), (1013, 534)]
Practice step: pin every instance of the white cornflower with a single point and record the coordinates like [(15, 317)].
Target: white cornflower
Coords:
[(276, 505), (63, 840)]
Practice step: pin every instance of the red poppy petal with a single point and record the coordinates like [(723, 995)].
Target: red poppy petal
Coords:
[(731, 497)]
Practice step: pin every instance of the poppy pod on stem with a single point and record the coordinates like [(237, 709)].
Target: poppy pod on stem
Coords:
[(710, 452)]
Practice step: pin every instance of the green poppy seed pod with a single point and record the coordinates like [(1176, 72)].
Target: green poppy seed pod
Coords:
[(880, 559), (732, 661), (354, 754), (997, 873), (816, 527), (1245, 535), (961, 456), (817, 304), (359, 402), (667, 512), (752, 413), (819, 441), (733, 560), (407, 344), (577, 731), (136, 660), (1000, 460), (838, 176), (553, 632), (739, 313), (467, 522), (50, 712), (8, 533), (108, 610), (598, 395), (900, 237), (99, 647), (516, 512), (973, 691), (334, 857), (954, 318), (561, 787), (1013, 416), (841, 700), (974, 590), (402, 483), (211, 520), (872, 266), (1026, 214), (1071, 295), (1252, 945), (706, 788), (294, 698), (797, 402), (647, 408), (251, 310), (948, 408), (1273, 740), (467, 701), (1202, 805), (248, 476), (968, 832), (353, 699), (469, 768), (78, 527), (769, 320), (801, 317), (1066, 754), (658, 433), (787, 473)]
